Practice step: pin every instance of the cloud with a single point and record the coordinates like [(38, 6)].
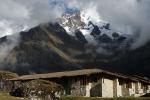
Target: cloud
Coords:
[(127, 16), (20, 15), (7, 46), (11, 16)]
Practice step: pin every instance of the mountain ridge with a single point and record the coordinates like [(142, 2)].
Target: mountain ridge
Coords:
[(49, 48)]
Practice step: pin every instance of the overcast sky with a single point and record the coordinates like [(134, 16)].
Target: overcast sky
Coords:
[(17, 15), (127, 16)]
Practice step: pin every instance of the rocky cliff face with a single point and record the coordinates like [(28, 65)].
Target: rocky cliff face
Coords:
[(42, 49), (49, 48), (75, 42), (95, 32)]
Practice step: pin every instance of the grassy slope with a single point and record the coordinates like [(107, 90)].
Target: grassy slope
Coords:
[(6, 96), (94, 98)]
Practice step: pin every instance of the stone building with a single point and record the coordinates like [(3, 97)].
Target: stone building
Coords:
[(94, 83), (5, 84)]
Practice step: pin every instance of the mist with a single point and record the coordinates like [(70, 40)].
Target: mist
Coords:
[(21, 15), (128, 16), (125, 16)]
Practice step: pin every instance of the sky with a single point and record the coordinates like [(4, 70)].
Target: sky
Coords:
[(126, 16), (18, 15)]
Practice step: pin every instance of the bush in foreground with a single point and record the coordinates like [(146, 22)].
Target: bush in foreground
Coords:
[(38, 87)]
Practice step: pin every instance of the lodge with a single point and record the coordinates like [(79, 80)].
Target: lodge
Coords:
[(94, 83)]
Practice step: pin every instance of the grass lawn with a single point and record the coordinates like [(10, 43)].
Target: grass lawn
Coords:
[(6, 96), (94, 98)]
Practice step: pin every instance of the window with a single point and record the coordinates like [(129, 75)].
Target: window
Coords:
[(142, 86), (75, 79), (145, 87), (95, 79), (129, 85), (83, 80), (103, 80)]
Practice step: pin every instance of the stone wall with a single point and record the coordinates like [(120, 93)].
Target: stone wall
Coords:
[(125, 91), (6, 85), (92, 86), (117, 87), (100, 85), (107, 87), (148, 89), (132, 89), (77, 89), (140, 90), (119, 90), (96, 90), (88, 89)]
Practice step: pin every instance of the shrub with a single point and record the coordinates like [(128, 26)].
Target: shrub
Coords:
[(37, 88)]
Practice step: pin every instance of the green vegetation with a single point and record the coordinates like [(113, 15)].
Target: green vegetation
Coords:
[(6, 96), (7, 75), (98, 98)]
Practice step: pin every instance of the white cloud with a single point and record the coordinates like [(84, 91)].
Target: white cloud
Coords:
[(127, 16), (19, 15), (15, 15)]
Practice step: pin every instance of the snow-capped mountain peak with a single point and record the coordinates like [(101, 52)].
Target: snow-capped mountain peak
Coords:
[(87, 16), (93, 30)]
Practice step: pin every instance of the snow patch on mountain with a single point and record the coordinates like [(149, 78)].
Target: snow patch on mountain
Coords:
[(86, 32), (95, 31)]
